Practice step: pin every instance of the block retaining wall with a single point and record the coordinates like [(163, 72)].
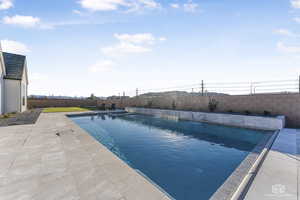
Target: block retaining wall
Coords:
[(243, 121)]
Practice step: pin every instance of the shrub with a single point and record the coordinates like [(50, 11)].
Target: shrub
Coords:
[(267, 113), (6, 116), (247, 112), (30, 107), (212, 104), (173, 105), (149, 104), (113, 106)]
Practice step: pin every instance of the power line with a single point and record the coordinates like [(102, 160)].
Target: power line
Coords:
[(231, 88)]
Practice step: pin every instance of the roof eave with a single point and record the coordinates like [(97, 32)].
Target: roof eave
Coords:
[(16, 79)]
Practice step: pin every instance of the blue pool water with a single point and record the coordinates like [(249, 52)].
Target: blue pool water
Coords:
[(189, 160)]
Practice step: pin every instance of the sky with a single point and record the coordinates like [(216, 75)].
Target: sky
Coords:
[(105, 47)]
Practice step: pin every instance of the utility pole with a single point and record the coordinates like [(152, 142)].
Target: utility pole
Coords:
[(137, 92), (202, 88)]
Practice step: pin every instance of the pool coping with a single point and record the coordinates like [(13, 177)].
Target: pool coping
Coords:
[(250, 176), (236, 185)]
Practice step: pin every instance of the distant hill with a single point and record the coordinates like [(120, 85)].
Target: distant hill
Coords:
[(180, 93)]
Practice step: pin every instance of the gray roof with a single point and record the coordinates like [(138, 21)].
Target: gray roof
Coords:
[(14, 65)]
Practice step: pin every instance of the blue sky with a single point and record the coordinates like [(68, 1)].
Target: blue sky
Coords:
[(79, 47)]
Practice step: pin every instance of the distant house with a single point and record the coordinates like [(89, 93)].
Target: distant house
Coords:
[(13, 82)]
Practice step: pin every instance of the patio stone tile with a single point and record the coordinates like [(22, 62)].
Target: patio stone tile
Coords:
[(60, 188), (35, 163), (19, 190), (105, 190)]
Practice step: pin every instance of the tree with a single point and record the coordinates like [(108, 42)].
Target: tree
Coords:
[(92, 97)]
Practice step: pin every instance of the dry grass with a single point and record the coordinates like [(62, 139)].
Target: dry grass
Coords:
[(7, 115), (65, 109)]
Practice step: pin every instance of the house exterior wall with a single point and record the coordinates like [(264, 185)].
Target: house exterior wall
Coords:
[(1, 82), (1, 91), (24, 91), (12, 95), (1, 88)]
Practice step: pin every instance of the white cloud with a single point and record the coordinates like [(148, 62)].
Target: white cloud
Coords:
[(101, 5), (6, 4), (149, 3), (78, 12), (12, 46), (284, 32), (295, 3), (23, 21), (287, 49), (190, 7), (124, 48), (143, 38), (175, 5), (34, 22), (109, 5), (102, 66), (131, 44), (54, 25), (140, 5), (297, 19)]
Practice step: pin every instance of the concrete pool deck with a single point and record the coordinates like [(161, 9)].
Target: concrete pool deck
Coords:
[(56, 159), (278, 176)]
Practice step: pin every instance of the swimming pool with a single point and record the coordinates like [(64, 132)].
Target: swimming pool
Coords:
[(189, 160)]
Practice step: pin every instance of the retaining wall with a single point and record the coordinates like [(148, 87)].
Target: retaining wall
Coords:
[(276, 104), (243, 121), (44, 103)]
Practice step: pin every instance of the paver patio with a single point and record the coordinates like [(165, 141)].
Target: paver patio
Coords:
[(55, 159)]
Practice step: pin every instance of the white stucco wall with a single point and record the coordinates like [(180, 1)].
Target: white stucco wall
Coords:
[(2, 71), (1, 85), (24, 92), (1, 91), (12, 95)]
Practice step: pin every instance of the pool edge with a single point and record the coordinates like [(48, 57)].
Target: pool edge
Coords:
[(237, 184)]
